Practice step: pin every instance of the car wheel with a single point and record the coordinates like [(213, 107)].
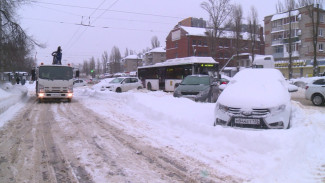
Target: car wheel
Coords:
[(118, 90), (139, 88), (317, 99), (40, 100), (69, 100), (149, 86)]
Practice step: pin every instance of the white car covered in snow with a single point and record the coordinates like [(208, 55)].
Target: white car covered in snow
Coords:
[(123, 84), (255, 98)]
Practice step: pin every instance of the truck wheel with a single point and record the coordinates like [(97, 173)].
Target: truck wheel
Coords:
[(69, 100), (149, 86), (40, 100)]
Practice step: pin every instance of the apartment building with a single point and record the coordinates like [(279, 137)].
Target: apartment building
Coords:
[(154, 56), (277, 41), (131, 63)]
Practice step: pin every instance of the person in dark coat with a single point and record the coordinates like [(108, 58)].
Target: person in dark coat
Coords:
[(17, 79), (57, 56)]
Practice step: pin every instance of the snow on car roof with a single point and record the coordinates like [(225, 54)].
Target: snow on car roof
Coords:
[(183, 61), (257, 88)]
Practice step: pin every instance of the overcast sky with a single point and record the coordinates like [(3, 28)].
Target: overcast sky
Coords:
[(123, 23)]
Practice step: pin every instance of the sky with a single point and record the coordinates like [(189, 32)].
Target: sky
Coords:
[(292, 155), (122, 23)]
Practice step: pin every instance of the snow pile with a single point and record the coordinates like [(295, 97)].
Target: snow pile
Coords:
[(10, 100), (294, 155)]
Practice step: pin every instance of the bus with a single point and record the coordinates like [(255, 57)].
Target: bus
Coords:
[(165, 75)]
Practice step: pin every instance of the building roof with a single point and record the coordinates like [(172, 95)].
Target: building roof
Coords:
[(284, 15), (185, 60), (157, 50), (130, 57), (195, 31)]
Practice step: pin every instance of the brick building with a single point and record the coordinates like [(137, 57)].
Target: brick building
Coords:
[(184, 41)]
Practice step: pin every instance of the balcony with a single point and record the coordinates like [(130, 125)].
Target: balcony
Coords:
[(277, 42), (277, 29)]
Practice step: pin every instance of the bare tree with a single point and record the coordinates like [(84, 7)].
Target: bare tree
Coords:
[(289, 7), (105, 61), (253, 30), (155, 42), (13, 39), (85, 67), (126, 53), (98, 67), (218, 11), (115, 60), (313, 8), (237, 15)]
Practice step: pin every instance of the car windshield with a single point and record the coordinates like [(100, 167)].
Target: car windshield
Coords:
[(116, 80), (196, 80)]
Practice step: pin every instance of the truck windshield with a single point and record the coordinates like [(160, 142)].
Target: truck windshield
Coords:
[(55, 72)]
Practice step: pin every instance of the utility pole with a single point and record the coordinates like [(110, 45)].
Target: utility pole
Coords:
[(1, 52)]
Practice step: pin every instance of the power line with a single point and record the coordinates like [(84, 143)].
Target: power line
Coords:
[(118, 11), (80, 27), (93, 26), (93, 22)]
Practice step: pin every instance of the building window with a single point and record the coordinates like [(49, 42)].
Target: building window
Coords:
[(320, 32), (320, 47), (278, 49), (321, 18), (176, 44)]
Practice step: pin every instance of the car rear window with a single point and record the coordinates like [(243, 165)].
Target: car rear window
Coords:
[(196, 80)]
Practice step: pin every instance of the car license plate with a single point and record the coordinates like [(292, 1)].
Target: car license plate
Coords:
[(247, 121)]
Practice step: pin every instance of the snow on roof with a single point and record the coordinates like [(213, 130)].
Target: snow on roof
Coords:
[(196, 31), (131, 57), (284, 15), (182, 61), (157, 50)]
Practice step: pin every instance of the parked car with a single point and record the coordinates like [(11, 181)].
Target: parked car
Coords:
[(123, 84), (79, 82), (315, 91), (201, 88), (255, 98)]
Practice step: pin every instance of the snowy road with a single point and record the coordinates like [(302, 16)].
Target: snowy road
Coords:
[(66, 142)]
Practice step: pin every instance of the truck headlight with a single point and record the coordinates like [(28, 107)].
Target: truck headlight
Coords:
[(70, 89), (41, 88)]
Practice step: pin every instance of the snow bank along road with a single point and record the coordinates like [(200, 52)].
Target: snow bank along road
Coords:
[(65, 142)]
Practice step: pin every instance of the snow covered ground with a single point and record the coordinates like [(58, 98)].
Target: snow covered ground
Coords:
[(294, 155)]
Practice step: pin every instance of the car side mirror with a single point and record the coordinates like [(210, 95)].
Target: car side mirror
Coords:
[(292, 88)]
